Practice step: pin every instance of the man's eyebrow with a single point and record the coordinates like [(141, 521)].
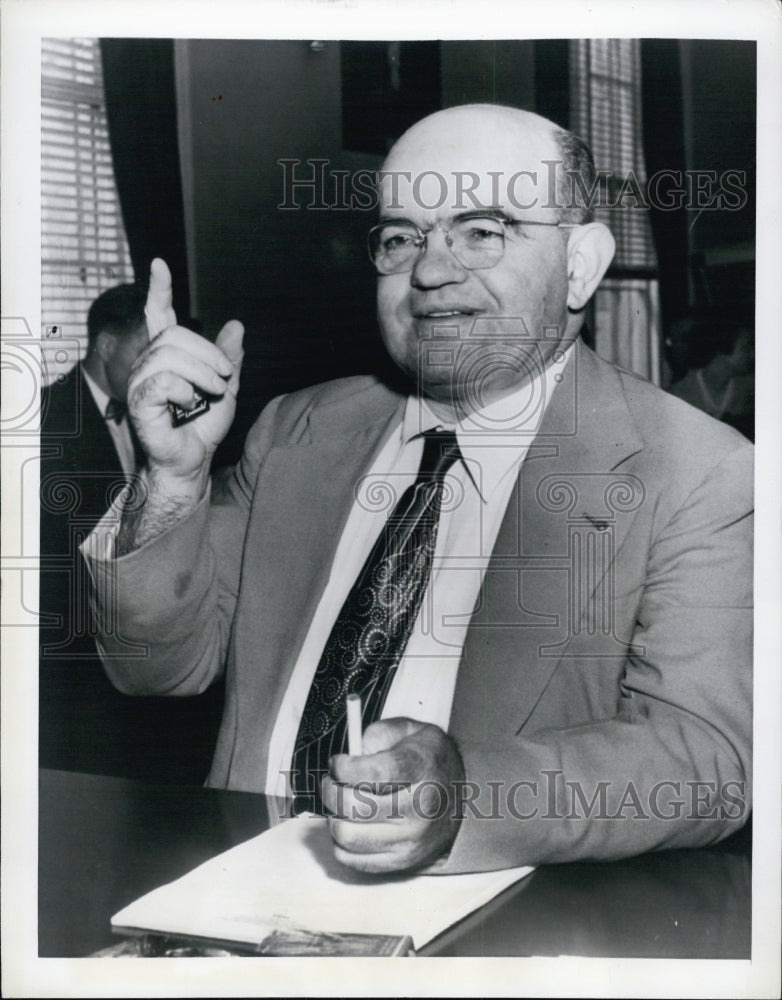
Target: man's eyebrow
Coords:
[(473, 213), (394, 219), (491, 212)]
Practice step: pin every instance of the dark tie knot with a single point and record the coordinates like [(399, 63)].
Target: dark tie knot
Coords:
[(441, 450), (115, 410)]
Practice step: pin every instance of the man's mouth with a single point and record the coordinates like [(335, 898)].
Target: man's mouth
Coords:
[(444, 313)]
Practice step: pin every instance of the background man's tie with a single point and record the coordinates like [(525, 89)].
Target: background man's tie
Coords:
[(374, 625), (115, 410)]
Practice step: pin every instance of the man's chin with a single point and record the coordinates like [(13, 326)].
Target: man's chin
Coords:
[(438, 389), (431, 385)]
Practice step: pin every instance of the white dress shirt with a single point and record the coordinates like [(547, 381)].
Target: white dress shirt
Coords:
[(119, 430), (493, 442)]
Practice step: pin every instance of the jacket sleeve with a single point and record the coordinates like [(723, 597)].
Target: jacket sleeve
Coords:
[(164, 611), (672, 766)]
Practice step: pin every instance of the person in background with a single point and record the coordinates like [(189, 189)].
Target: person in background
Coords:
[(89, 452), (720, 354)]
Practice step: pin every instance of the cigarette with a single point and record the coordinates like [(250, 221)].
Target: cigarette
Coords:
[(353, 702)]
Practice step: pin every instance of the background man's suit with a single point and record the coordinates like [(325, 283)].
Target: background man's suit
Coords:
[(629, 665), (85, 723)]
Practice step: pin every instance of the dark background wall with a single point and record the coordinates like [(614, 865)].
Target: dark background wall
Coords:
[(297, 279), (719, 113), (718, 79)]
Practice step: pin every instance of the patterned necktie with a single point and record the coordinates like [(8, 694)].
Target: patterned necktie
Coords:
[(374, 625)]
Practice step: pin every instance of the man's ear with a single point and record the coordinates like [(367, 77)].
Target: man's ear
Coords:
[(105, 345), (590, 251)]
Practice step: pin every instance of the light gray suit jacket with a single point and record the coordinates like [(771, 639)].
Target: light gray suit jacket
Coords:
[(607, 665)]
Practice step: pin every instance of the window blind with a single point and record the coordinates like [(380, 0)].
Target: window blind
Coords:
[(605, 107), (606, 113), (84, 250)]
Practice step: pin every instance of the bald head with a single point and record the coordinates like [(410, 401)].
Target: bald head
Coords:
[(476, 155), (477, 130)]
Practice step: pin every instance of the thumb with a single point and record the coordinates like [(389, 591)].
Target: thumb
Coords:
[(229, 340), (159, 310)]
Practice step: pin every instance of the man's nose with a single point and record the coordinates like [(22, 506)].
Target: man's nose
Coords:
[(436, 264)]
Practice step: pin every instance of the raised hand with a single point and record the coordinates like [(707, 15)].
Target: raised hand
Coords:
[(396, 807), (176, 362)]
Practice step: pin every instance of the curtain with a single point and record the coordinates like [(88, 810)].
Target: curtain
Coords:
[(629, 304), (663, 132), (138, 78)]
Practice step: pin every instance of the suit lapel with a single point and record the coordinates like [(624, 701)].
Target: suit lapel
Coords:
[(312, 487), (97, 436), (566, 520)]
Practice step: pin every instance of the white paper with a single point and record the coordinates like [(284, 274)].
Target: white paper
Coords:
[(288, 879)]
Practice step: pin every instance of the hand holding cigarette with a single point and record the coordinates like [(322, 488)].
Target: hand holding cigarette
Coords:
[(395, 804)]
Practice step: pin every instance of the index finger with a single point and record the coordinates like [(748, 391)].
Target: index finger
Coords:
[(366, 803), (401, 763), (159, 308)]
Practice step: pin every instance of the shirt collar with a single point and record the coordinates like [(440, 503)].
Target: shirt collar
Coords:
[(495, 438), (100, 397)]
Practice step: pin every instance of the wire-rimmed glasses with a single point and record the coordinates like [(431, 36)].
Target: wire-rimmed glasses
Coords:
[(477, 241)]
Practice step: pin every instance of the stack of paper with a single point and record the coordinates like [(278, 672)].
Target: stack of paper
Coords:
[(287, 880)]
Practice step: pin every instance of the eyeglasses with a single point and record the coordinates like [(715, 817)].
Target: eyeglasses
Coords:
[(476, 241)]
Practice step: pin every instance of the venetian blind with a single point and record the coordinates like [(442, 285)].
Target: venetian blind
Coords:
[(84, 250), (606, 113), (605, 106)]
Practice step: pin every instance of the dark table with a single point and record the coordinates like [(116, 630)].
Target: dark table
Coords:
[(103, 842)]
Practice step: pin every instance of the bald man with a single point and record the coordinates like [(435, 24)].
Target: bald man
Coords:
[(574, 678)]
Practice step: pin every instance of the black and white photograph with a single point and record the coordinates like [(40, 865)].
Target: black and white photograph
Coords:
[(386, 415)]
